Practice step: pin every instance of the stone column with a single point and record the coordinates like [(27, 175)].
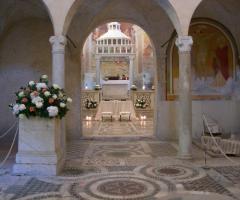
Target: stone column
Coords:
[(160, 96), (98, 65), (131, 70), (184, 44), (58, 59), (58, 77)]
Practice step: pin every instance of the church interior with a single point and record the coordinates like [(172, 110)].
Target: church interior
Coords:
[(136, 100)]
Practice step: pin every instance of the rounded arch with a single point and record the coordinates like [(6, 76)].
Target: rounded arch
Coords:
[(164, 4), (13, 12), (201, 22), (49, 13), (125, 20), (75, 116)]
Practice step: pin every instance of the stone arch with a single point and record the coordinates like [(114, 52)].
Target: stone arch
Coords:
[(201, 21), (24, 50), (100, 18), (226, 13), (165, 5)]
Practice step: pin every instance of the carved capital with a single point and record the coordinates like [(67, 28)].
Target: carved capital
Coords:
[(184, 43), (58, 43)]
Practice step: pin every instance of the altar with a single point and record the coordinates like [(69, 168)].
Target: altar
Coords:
[(115, 89), (115, 107)]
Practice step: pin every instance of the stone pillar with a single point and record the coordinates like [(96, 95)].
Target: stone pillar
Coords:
[(131, 70), (98, 71), (58, 77), (58, 59), (184, 44), (160, 96)]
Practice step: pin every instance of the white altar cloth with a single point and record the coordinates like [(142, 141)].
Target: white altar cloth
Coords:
[(115, 107), (109, 89)]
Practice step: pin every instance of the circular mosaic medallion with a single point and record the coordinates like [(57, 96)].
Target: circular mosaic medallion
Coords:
[(175, 172), (169, 171), (120, 187)]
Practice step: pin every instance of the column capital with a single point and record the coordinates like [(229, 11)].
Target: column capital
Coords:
[(184, 43), (131, 57), (58, 43)]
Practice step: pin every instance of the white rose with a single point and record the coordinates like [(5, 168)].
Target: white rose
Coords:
[(44, 76), (31, 83), (47, 93), (39, 104), (21, 116), (37, 99), (21, 94), (22, 107), (54, 96), (62, 105), (56, 86), (16, 109), (52, 111), (60, 94), (41, 86), (33, 95), (69, 100)]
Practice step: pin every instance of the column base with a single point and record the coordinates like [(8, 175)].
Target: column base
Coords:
[(185, 156)]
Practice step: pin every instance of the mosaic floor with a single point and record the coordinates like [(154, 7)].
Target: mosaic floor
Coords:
[(117, 128), (129, 170)]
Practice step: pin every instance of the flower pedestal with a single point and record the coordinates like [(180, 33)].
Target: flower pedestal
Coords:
[(41, 147)]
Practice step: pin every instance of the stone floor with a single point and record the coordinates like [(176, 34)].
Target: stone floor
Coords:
[(117, 128), (142, 169)]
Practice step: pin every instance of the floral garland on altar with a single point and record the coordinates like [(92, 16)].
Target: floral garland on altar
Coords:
[(40, 99), (141, 103), (90, 104)]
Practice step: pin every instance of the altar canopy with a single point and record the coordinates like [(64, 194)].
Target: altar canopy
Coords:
[(115, 107)]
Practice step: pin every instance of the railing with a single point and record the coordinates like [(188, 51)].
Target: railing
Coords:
[(115, 49)]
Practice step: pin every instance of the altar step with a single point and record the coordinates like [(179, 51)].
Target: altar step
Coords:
[(118, 138)]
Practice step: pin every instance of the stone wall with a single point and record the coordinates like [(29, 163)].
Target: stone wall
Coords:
[(225, 112), (25, 54)]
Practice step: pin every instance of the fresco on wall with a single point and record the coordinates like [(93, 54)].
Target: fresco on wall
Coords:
[(148, 62), (212, 62)]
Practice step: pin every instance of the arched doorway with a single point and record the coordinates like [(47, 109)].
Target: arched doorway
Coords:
[(113, 12), (24, 50), (119, 58)]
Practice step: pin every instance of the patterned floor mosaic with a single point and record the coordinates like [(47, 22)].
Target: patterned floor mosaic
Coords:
[(116, 128), (126, 170)]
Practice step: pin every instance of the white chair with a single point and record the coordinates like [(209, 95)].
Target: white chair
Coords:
[(125, 115), (107, 115)]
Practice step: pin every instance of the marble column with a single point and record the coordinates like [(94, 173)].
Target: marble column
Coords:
[(58, 77), (184, 44), (58, 59), (131, 70), (98, 71), (160, 96)]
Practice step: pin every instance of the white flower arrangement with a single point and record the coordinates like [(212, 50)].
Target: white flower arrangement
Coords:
[(53, 111), (40, 99)]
